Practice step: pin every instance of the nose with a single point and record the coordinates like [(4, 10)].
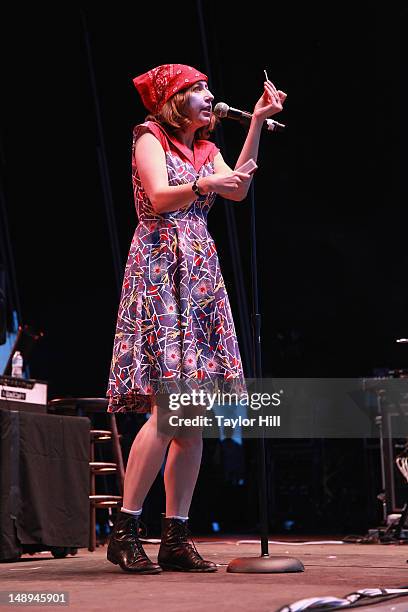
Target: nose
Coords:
[(208, 95)]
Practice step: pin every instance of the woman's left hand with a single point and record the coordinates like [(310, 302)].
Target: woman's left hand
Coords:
[(270, 103)]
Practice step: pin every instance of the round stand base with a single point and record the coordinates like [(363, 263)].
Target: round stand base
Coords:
[(265, 565)]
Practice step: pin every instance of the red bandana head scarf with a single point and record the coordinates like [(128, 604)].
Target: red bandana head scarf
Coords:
[(158, 84)]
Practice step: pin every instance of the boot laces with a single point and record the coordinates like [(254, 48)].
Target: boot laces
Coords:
[(135, 529), (186, 537)]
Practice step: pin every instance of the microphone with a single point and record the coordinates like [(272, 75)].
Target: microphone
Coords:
[(223, 111)]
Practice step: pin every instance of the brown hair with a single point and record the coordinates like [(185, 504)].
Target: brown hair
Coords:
[(172, 116)]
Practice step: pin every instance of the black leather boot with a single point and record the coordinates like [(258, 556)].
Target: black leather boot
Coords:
[(125, 548), (177, 553)]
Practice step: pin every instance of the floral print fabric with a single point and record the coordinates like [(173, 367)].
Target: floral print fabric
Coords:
[(174, 320)]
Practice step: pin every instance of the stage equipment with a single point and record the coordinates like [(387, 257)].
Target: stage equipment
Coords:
[(23, 394), (93, 407), (223, 111), (392, 406), (265, 564), (402, 464), (44, 483)]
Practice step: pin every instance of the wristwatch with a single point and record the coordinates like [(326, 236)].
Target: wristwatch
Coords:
[(195, 187)]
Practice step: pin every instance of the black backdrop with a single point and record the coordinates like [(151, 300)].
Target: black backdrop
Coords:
[(332, 258)]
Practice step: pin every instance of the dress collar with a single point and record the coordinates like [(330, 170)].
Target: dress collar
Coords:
[(198, 156)]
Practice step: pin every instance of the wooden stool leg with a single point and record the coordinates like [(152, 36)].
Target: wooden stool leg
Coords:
[(92, 527), (92, 510), (117, 452)]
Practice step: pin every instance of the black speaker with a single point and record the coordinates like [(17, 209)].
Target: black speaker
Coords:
[(44, 483)]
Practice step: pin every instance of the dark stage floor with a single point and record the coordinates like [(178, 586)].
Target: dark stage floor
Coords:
[(332, 569)]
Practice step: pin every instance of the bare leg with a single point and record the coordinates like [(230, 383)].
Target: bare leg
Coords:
[(145, 460), (180, 476), (177, 550)]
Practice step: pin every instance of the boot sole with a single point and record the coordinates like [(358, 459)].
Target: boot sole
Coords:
[(130, 571), (177, 568)]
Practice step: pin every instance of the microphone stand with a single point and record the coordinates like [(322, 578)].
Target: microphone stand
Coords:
[(265, 564)]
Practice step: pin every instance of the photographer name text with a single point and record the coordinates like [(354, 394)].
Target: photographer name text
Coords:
[(272, 420)]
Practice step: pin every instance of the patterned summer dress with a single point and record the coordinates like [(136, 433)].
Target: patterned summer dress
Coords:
[(174, 320)]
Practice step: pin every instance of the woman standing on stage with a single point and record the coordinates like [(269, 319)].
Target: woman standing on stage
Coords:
[(174, 320)]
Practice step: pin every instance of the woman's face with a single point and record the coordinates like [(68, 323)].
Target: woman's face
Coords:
[(199, 104)]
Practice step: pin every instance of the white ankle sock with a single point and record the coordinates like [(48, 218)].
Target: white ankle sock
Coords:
[(181, 518), (134, 512)]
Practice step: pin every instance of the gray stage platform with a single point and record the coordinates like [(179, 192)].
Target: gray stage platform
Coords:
[(95, 584)]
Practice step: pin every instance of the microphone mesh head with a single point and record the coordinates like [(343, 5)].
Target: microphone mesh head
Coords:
[(221, 110)]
